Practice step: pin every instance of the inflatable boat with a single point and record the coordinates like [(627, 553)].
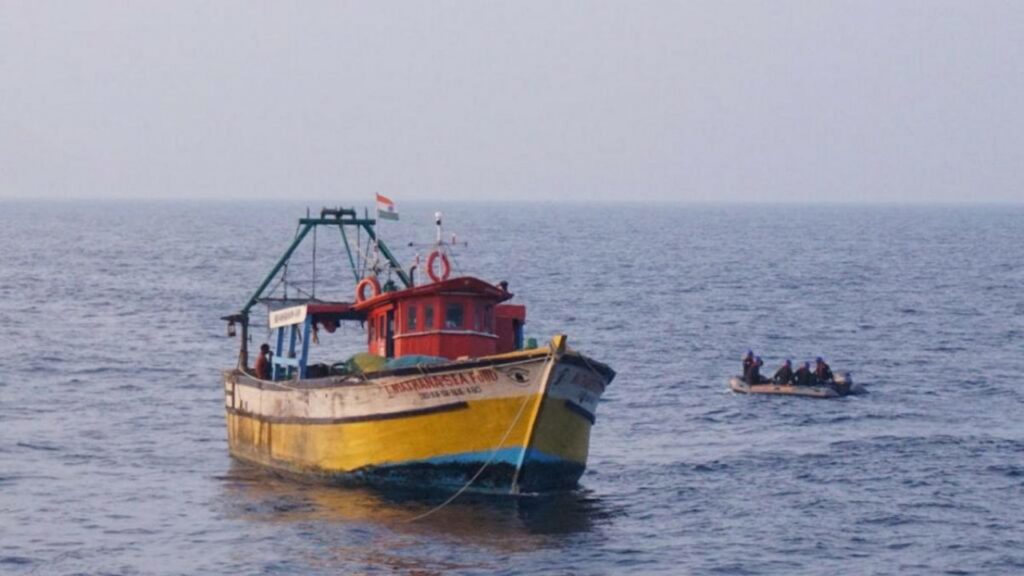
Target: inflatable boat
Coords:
[(842, 386)]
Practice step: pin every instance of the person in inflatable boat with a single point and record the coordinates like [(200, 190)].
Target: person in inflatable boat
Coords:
[(753, 375), (748, 359), (803, 376), (822, 371), (784, 375)]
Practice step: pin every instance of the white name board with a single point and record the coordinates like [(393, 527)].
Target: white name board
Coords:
[(287, 316)]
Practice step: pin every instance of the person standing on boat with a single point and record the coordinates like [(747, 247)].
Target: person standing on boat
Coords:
[(753, 375), (748, 361), (784, 375), (822, 371), (262, 367), (802, 376)]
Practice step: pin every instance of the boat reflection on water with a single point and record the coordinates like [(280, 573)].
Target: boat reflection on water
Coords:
[(498, 523)]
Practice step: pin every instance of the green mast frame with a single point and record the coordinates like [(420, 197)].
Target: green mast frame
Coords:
[(340, 217)]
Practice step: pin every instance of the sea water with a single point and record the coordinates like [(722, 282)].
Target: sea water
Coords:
[(113, 458)]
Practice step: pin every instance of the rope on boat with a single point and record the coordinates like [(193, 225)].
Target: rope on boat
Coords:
[(366, 260), (490, 459), (314, 256)]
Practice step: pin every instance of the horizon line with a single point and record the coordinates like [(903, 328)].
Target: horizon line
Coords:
[(551, 201)]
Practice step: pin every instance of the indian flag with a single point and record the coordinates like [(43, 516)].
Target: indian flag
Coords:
[(386, 208)]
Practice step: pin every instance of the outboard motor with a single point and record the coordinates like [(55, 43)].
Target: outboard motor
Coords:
[(843, 383)]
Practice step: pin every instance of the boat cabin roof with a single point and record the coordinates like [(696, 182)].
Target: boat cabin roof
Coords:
[(462, 286), (339, 311)]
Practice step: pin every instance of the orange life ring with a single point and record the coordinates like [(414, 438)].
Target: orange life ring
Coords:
[(446, 268), (370, 281)]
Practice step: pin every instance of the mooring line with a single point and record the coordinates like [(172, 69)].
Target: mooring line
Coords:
[(494, 453)]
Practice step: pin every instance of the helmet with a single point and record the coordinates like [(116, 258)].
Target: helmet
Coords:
[(807, 364), (787, 362), (758, 360), (819, 359), (749, 354)]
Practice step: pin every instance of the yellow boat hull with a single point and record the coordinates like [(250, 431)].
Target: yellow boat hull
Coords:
[(512, 423)]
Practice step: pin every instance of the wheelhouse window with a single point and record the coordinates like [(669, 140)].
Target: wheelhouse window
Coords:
[(410, 319), (428, 316), (489, 319), (453, 315)]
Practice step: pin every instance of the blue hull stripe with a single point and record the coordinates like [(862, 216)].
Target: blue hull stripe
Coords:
[(541, 471), (503, 456)]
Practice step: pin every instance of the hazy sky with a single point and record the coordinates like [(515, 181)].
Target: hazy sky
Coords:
[(718, 100)]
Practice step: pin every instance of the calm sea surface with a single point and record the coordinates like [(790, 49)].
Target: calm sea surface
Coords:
[(113, 458)]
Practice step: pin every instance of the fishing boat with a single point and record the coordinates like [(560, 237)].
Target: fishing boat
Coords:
[(843, 385), (448, 393)]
